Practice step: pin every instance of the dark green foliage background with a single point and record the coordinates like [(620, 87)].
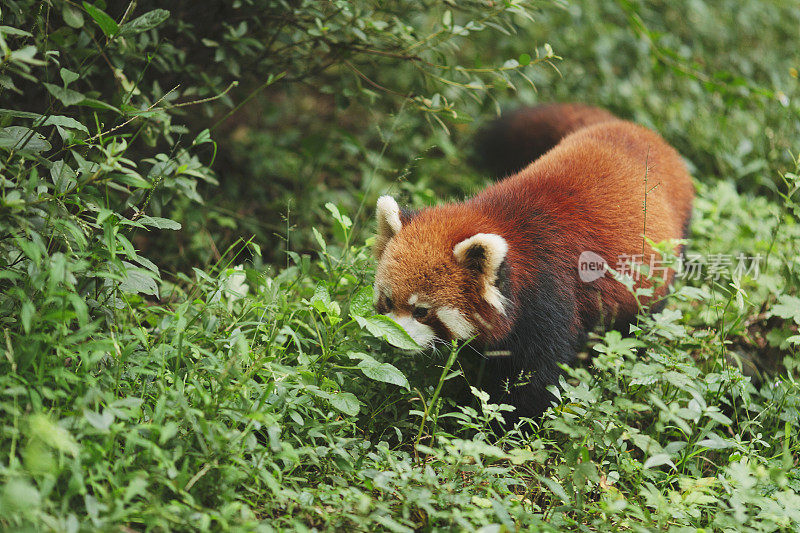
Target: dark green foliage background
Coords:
[(185, 276)]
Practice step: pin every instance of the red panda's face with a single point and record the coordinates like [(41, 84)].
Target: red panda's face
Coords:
[(436, 288)]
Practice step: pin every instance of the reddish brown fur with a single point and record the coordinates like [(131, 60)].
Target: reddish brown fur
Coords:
[(592, 188), (587, 193), (419, 260)]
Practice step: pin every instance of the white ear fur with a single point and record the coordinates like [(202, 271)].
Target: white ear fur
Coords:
[(494, 249), (388, 215)]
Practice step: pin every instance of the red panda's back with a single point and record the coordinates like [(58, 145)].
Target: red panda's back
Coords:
[(599, 190)]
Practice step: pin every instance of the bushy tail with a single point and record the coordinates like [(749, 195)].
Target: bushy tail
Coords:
[(508, 144)]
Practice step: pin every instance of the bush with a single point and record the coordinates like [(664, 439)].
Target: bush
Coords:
[(187, 323)]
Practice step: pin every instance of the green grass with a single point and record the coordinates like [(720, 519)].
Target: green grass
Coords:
[(248, 385)]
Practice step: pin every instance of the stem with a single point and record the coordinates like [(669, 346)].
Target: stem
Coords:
[(431, 405)]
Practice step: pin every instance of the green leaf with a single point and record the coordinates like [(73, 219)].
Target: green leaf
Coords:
[(385, 328), (715, 442), (659, 459), (447, 19), (52, 434), (255, 247), (787, 307), (520, 456), (63, 176), (99, 421), (10, 30), (65, 122), (345, 402), (106, 23), (80, 307), (138, 281), (321, 301), (148, 21), (361, 304), (320, 239), (26, 314), (23, 139), (378, 371), (480, 501), (19, 114), (44, 120), (137, 487), (134, 180), (67, 76), (67, 97), (203, 137), (343, 220), (19, 495), (26, 54), (97, 104), (556, 488), (72, 16), (160, 223)]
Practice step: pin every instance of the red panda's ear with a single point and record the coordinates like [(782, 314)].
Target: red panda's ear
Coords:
[(388, 215), (484, 253)]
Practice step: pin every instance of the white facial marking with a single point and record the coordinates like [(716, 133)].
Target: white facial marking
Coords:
[(495, 298), (482, 321), (389, 212), (413, 299), (420, 332), (455, 321)]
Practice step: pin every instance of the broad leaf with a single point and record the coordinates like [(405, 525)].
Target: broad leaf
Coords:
[(106, 23), (66, 96), (99, 421), (378, 371), (24, 139), (138, 281), (384, 327), (53, 435), (345, 402), (68, 76), (321, 301), (787, 307), (65, 122), (148, 21), (361, 303), (659, 459), (160, 223), (72, 16)]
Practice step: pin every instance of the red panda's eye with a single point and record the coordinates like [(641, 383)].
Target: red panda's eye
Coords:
[(419, 312), (389, 304)]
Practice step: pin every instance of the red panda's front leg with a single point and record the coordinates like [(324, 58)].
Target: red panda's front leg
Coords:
[(542, 338)]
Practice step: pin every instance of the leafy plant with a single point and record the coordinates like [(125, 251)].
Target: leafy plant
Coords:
[(186, 314)]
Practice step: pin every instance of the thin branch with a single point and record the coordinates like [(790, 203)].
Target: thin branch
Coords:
[(374, 84)]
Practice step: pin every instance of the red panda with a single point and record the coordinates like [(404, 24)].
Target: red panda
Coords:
[(502, 267)]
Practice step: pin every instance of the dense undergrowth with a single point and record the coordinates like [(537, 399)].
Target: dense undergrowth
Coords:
[(186, 309)]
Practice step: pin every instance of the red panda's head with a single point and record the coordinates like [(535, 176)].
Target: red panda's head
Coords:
[(439, 275)]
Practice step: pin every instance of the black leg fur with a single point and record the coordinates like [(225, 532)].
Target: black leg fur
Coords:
[(541, 339)]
